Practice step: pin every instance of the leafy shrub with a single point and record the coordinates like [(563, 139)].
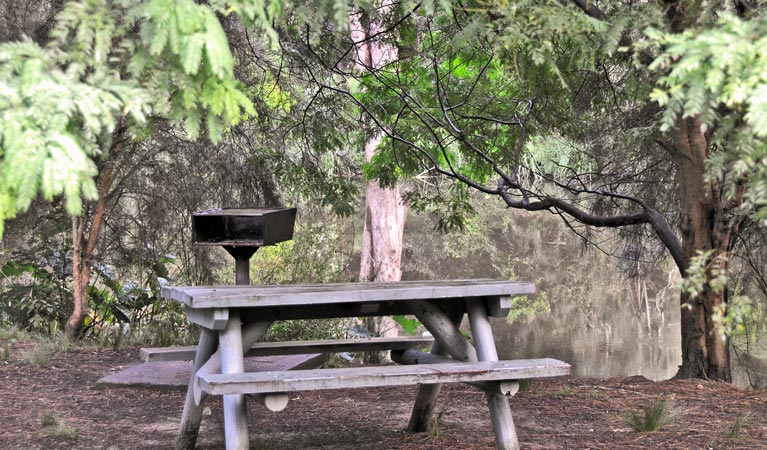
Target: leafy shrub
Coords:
[(35, 295), (318, 253), (44, 347)]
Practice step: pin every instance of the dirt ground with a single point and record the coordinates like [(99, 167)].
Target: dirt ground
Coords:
[(58, 407)]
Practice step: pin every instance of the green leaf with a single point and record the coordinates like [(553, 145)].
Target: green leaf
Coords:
[(410, 325), (192, 53), (217, 48)]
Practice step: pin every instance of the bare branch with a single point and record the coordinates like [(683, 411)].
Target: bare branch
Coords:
[(590, 9)]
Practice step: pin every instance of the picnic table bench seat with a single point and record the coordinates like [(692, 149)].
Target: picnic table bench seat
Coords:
[(381, 376), (364, 344)]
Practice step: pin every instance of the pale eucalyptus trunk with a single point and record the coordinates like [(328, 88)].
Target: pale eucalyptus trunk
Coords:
[(385, 212)]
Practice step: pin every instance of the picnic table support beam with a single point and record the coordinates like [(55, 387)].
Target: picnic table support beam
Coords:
[(235, 414), (434, 318), (445, 330), (500, 412), (192, 415)]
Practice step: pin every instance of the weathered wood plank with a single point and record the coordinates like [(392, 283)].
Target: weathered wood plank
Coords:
[(298, 347), (413, 356), (499, 306), (212, 318), (444, 330), (380, 376), (175, 375), (273, 402), (249, 334), (313, 294)]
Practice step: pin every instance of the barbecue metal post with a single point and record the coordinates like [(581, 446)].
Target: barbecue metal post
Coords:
[(241, 257)]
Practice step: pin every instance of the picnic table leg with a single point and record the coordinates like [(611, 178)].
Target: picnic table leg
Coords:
[(426, 398), (500, 412), (251, 333), (192, 415), (425, 401), (235, 415)]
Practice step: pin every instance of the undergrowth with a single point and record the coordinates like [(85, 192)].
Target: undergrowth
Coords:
[(653, 417), (56, 427), (736, 430)]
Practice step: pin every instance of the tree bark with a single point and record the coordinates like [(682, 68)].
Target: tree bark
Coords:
[(385, 212), (85, 235), (382, 236), (384, 227), (706, 225)]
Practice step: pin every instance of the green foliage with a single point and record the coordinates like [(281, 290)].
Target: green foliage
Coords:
[(184, 56), (297, 330), (45, 347), (701, 267), (36, 298), (528, 306), (653, 417), (409, 324), (435, 425), (318, 253), (561, 393), (48, 418), (64, 431), (127, 63), (733, 316), (56, 427), (59, 105), (721, 65), (708, 273), (483, 71), (33, 295), (533, 34), (719, 73), (42, 109)]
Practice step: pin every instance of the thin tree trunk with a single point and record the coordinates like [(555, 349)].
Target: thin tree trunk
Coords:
[(85, 238)]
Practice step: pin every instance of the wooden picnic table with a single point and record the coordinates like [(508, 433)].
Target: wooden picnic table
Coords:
[(234, 318)]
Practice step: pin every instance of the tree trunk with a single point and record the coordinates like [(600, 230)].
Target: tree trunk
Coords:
[(81, 275), (382, 235), (85, 235), (384, 210), (706, 226)]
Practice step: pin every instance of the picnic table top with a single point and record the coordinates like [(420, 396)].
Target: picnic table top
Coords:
[(333, 293)]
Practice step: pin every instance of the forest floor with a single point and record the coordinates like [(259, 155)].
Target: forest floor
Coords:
[(56, 406)]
